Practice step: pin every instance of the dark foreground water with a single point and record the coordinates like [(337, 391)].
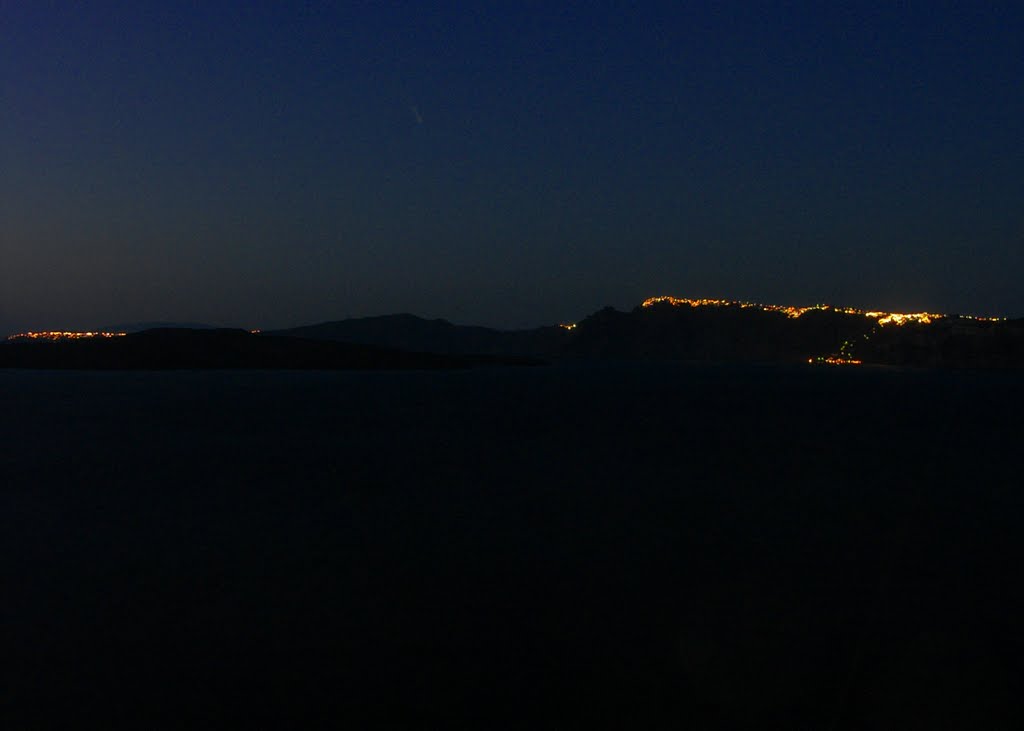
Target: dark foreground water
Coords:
[(657, 546)]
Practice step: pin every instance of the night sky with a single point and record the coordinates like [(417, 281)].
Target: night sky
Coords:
[(509, 164)]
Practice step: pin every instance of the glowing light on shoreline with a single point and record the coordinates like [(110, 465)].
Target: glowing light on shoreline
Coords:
[(833, 360), (54, 335)]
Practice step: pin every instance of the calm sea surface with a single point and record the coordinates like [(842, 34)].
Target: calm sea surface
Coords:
[(625, 546)]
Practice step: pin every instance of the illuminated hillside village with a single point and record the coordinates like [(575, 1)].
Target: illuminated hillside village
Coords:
[(843, 356), (884, 318)]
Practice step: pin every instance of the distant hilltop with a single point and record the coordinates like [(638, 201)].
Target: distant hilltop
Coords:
[(680, 328), (883, 318), (660, 328)]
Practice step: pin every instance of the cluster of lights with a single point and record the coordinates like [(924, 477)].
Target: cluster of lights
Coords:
[(568, 326), (883, 318), (62, 335), (895, 318), (845, 354), (684, 301), (834, 360), (787, 310)]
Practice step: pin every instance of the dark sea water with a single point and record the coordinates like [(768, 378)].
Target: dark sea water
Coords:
[(614, 546)]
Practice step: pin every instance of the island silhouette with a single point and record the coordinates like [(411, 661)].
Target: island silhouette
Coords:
[(660, 328)]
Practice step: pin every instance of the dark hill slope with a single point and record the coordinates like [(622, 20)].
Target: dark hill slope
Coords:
[(663, 331), (713, 334), (412, 333), (657, 332)]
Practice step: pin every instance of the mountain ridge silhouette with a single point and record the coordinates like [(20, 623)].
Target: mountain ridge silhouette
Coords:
[(659, 329)]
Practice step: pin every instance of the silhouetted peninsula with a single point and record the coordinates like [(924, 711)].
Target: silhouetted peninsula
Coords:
[(221, 348)]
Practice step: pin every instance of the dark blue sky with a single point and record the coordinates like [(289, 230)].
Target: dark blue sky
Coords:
[(267, 166)]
